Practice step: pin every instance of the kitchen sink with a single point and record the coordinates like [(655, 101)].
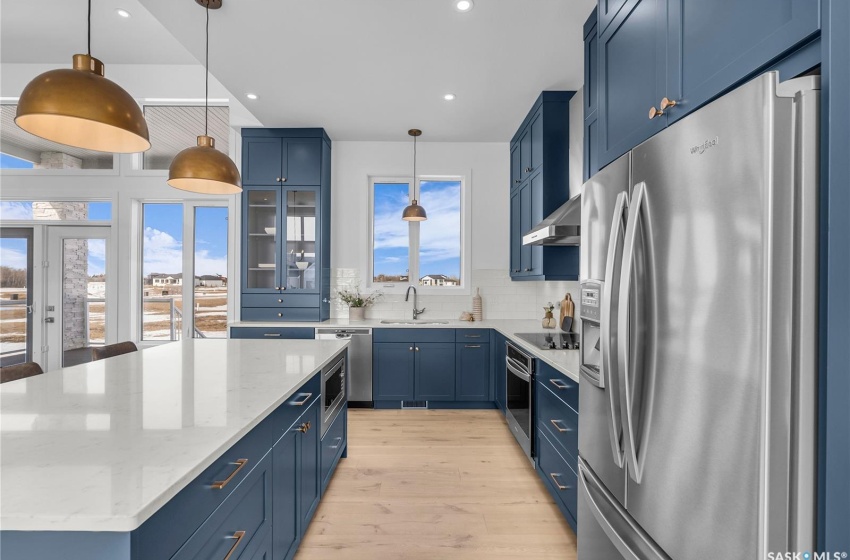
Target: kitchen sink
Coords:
[(385, 322)]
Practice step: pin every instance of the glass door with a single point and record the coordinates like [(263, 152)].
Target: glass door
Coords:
[(262, 273), (16, 303), (300, 250), (79, 310)]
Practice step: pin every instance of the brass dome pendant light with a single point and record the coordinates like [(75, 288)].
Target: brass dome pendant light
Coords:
[(414, 212), (202, 168), (80, 107)]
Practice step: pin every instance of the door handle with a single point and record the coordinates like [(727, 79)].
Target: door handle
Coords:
[(610, 330), (626, 378), (303, 401), (240, 464), (667, 103), (555, 477), (238, 535)]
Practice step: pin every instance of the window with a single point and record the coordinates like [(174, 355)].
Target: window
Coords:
[(56, 210), (184, 270), (428, 253)]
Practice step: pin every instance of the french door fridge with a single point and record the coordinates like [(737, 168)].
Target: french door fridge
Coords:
[(699, 261)]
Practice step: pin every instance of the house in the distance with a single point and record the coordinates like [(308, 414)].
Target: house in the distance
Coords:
[(162, 280), (213, 281), (437, 280)]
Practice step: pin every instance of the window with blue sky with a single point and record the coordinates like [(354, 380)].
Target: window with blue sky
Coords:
[(436, 248)]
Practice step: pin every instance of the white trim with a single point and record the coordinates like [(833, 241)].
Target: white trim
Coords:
[(116, 170)]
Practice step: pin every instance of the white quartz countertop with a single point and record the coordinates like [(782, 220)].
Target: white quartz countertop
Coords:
[(565, 361), (102, 446)]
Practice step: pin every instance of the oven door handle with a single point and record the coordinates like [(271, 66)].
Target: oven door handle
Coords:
[(519, 373)]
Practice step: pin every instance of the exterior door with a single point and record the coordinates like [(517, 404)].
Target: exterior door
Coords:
[(16, 296), (79, 307)]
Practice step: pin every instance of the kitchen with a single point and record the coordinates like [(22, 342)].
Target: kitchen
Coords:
[(359, 167)]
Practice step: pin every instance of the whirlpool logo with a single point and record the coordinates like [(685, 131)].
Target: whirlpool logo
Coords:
[(806, 555), (701, 148)]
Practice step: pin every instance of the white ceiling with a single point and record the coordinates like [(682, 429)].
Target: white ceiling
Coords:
[(372, 69)]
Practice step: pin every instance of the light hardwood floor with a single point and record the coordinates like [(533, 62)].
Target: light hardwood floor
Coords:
[(435, 485)]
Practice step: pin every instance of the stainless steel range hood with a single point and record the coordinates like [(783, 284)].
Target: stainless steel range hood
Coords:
[(561, 227)]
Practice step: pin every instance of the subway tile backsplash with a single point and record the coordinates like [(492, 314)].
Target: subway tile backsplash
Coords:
[(502, 299)]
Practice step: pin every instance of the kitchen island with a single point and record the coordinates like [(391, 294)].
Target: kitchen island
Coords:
[(101, 459)]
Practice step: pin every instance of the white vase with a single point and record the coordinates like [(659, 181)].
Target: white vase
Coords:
[(356, 313)]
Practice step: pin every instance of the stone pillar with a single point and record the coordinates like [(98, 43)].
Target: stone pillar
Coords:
[(58, 160)]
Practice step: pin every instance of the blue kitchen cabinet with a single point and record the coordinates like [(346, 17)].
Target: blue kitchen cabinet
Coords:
[(275, 160), (498, 348), (393, 365), (285, 500), (286, 201), (688, 52), (542, 143), (435, 371), (334, 444), (590, 158), (272, 333), (309, 469), (473, 371)]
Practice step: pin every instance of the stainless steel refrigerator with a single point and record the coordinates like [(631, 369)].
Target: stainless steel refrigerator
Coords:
[(699, 304)]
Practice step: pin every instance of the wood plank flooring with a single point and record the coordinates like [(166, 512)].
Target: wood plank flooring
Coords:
[(435, 485)]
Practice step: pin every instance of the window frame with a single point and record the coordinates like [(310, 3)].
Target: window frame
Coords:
[(367, 278)]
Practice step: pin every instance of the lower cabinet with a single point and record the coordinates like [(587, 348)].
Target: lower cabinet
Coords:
[(435, 371), (497, 344), (309, 471), (472, 371), (272, 332), (333, 446)]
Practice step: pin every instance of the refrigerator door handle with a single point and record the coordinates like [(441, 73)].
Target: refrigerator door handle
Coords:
[(609, 331), (629, 388), (623, 532)]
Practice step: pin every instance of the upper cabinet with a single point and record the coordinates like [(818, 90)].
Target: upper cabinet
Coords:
[(539, 185), (590, 159), (285, 225), (658, 60)]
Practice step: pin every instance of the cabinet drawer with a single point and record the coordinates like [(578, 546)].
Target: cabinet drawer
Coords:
[(287, 413), (557, 473), (244, 515), (559, 421), (472, 335), (333, 444), (413, 335), (565, 388), (281, 300), (273, 332), (281, 314)]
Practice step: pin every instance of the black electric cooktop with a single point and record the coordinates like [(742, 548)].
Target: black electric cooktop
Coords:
[(551, 341)]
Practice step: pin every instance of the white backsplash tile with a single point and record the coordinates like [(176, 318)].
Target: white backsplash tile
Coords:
[(502, 298)]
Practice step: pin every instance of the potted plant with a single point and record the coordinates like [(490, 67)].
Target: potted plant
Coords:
[(357, 302)]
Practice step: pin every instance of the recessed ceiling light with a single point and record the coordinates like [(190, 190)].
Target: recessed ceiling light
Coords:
[(122, 12), (463, 5), (251, 95), (449, 97)]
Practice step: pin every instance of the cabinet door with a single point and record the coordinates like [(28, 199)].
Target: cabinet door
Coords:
[(516, 166), (590, 159), (714, 45), (472, 372), (303, 162), (435, 371), (535, 186), (499, 369), (537, 141), (285, 492), (525, 152), (309, 472), (262, 161), (392, 371), (261, 239), (633, 71), (516, 234), (302, 268), (525, 220)]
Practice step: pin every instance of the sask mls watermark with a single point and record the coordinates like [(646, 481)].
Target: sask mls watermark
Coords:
[(806, 555), (700, 149)]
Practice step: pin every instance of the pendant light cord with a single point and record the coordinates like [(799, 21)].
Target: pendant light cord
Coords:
[(414, 168), (89, 31), (206, 75)]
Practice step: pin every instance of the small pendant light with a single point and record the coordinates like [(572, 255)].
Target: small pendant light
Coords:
[(414, 212), (79, 107), (202, 168)]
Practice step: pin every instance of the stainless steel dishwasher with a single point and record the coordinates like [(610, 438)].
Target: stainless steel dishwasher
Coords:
[(359, 362)]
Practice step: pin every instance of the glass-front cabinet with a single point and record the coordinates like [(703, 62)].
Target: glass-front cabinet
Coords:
[(281, 249)]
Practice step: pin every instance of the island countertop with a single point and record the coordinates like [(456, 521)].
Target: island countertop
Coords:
[(102, 446)]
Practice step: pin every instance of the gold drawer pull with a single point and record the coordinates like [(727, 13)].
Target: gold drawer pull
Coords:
[(557, 427), (303, 402), (653, 112), (666, 103), (554, 477), (219, 484), (303, 428), (238, 535), (559, 384)]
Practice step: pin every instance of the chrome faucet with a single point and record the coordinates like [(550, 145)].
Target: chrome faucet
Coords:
[(416, 312)]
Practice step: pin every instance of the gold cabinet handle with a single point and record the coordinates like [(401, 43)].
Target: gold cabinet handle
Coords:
[(559, 428), (554, 477), (304, 401), (238, 535), (219, 484), (303, 428), (667, 103), (653, 112)]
